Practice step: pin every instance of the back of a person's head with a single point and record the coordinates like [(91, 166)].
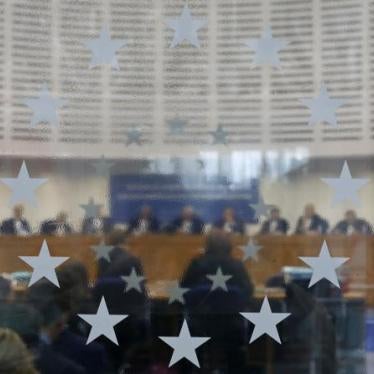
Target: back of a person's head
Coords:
[(116, 237), (23, 319), (218, 243), (73, 280), (14, 356)]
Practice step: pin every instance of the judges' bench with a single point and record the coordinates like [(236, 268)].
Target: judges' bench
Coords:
[(165, 257)]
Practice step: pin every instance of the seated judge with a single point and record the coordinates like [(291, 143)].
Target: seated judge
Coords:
[(275, 225), (187, 223), (352, 225), (58, 226), (311, 223), (17, 225), (97, 225), (144, 222), (230, 223)]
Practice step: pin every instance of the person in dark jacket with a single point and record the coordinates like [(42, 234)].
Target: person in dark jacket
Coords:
[(230, 223), (353, 225), (58, 226), (145, 222), (17, 225), (187, 223), (311, 223), (216, 311), (275, 225)]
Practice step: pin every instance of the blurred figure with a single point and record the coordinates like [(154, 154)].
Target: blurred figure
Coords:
[(56, 307), (14, 356), (145, 222), (352, 225), (187, 223), (116, 239), (229, 222), (27, 322), (122, 299), (58, 226), (216, 311), (16, 225), (311, 223), (275, 224), (308, 335), (97, 225), (218, 253), (5, 290)]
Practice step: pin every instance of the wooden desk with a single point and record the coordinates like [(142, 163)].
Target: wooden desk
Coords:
[(165, 257)]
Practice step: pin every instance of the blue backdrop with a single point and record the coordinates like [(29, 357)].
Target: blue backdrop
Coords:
[(167, 194)]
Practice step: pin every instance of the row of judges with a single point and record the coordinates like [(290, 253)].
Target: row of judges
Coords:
[(188, 222)]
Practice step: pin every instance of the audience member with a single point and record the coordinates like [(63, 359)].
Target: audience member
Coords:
[(230, 223), (187, 223), (311, 223), (17, 225), (275, 224), (133, 300), (218, 254), (57, 306), (145, 222), (58, 226), (208, 308), (14, 356), (352, 225), (97, 225), (116, 239)]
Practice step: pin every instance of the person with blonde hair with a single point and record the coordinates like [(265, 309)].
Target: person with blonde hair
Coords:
[(14, 356)]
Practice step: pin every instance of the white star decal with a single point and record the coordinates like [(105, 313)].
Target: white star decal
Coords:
[(45, 108), (134, 136), (102, 251), (23, 187), (44, 265), (219, 136), (322, 107), (103, 166), (176, 293), (219, 280), (265, 322), (184, 345), (324, 266), (133, 281), (185, 28), (266, 49), (345, 187), (103, 323), (104, 49), (250, 250), (261, 209), (91, 209)]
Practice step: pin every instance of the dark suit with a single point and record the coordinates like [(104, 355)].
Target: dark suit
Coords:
[(48, 361), (88, 226), (153, 224), (360, 226), (51, 227), (317, 224), (8, 227), (237, 226), (72, 346), (197, 225), (217, 312), (282, 226), (133, 330), (197, 271)]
